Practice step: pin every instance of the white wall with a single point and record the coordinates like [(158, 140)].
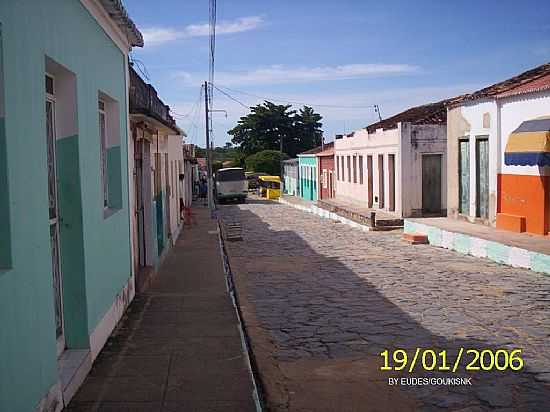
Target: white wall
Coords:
[(472, 114), (514, 111), (175, 158), (417, 141)]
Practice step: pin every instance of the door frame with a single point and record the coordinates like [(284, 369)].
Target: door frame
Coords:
[(423, 208), (479, 138), (50, 98), (464, 139)]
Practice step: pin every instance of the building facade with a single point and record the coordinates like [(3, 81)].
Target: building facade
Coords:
[(156, 164), (291, 177), (498, 143), (326, 178), (66, 272), (397, 165), (307, 163)]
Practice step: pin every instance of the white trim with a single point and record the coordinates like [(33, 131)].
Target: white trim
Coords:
[(52, 400), (106, 325), (95, 8)]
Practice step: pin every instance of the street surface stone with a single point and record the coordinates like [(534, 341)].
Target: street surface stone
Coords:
[(321, 300)]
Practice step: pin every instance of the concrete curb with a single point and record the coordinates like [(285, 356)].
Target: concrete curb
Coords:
[(245, 340), (474, 246), (326, 215)]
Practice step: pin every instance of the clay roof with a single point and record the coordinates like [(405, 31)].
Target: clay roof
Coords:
[(538, 85), (526, 82), (118, 13), (432, 113), (317, 149), (326, 152)]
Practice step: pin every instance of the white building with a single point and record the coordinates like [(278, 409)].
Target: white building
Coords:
[(156, 162), (397, 165), (499, 143)]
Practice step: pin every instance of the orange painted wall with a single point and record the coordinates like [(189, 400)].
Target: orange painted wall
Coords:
[(527, 196)]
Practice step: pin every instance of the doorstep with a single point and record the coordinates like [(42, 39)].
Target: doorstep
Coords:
[(73, 366), (509, 248)]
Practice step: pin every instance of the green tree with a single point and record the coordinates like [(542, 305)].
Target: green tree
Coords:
[(309, 126), (267, 161), (216, 165), (268, 123)]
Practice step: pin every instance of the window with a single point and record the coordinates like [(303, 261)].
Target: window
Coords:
[(337, 167), (348, 160), (110, 152), (5, 247), (103, 146), (360, 170), (354, 169)]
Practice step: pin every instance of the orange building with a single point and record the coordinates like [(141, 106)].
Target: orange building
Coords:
[(500, 137)]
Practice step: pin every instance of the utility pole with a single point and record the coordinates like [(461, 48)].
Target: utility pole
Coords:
[(208, 153), (281, 171), (377, 110)]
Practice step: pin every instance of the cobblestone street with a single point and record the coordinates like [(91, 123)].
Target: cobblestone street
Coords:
[(321, 300)]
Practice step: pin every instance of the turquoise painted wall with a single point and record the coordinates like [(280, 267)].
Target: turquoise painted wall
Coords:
[(65, 32), (308, 187)]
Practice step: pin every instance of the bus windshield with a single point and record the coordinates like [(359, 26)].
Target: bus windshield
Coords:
[(230, 175)]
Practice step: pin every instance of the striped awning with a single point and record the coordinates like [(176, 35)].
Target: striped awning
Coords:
[(529, 144)]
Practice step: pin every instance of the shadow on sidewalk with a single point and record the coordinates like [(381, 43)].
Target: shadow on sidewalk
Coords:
[(178, 347)]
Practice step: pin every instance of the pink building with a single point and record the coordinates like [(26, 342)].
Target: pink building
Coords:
[(397, 165)]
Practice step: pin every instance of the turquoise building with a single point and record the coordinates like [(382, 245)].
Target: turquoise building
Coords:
[(307, 163), (65, 254)]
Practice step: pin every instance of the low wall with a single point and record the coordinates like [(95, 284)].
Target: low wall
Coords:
[(326, 214), (482, 248)]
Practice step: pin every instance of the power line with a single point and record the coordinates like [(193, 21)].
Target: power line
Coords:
[(175, 114), (140, 66), (276, 99), (231, 97)]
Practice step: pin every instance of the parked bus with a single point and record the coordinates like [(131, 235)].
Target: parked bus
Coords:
[(231, 184)]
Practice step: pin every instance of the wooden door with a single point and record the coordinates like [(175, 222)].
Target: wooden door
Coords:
[(381, 186), (391, 172), (431, 183), (369, 180), (482, 177), (464, 176)]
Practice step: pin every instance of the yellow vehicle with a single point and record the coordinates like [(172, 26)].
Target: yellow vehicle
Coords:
[(269, 187)]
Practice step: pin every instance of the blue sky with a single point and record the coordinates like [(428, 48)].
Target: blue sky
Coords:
[(341, 57)]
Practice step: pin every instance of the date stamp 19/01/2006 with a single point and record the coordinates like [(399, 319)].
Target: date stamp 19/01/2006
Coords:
[(469, 360)]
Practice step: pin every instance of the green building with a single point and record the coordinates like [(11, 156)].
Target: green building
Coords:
[(65, 255), (307, 162)]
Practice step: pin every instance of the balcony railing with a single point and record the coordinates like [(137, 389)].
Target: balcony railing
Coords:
[(144, 100)]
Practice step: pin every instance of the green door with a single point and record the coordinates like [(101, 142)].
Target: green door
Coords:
[(482, 177), (464, 176)]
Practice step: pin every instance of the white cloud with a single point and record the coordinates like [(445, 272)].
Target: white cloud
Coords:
[(158, 35), (282, 74), (154, 36), (342, 112), (237, 26)]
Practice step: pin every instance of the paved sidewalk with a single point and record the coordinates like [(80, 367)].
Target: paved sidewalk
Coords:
[(178, 347)]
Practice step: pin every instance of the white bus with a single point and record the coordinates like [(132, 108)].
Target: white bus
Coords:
[(231, 184)]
